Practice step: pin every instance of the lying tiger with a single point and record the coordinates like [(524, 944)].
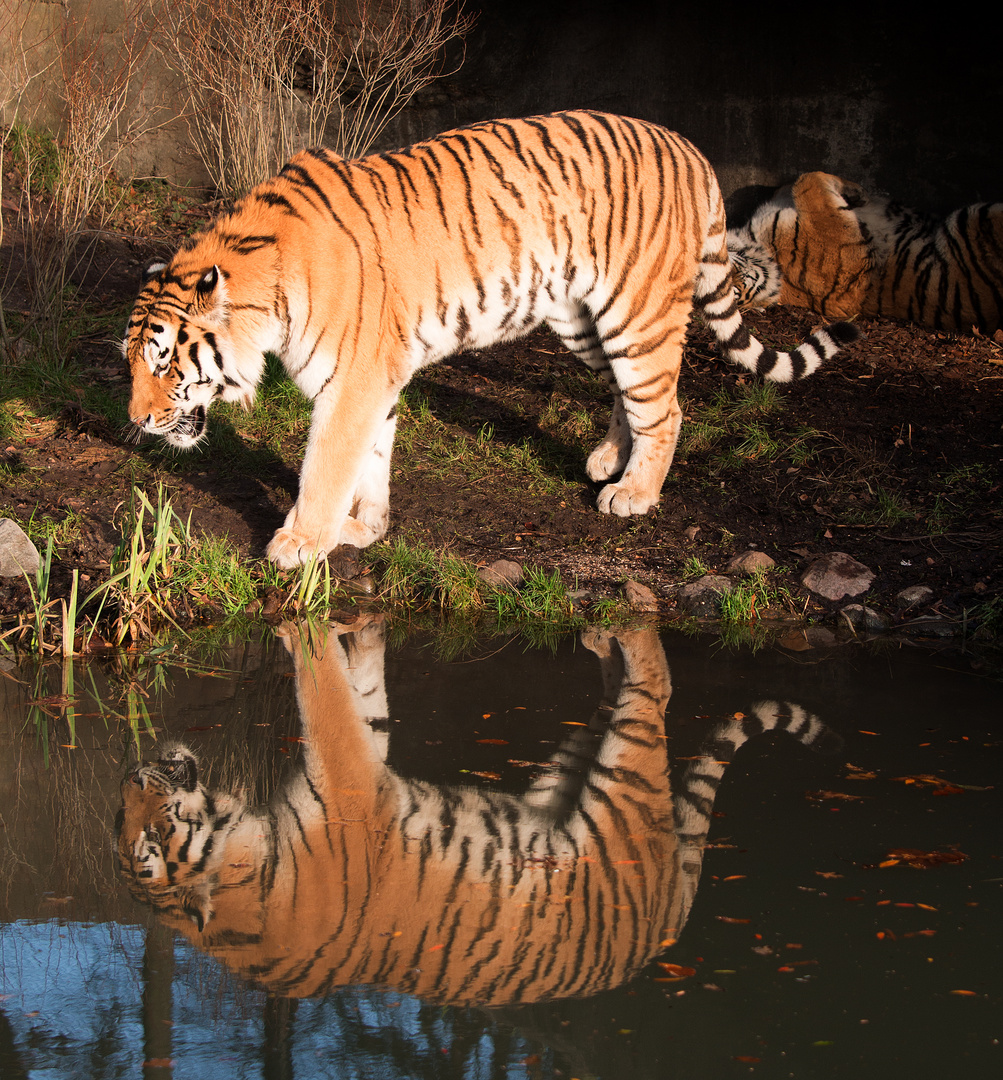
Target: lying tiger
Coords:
[(823, 243), (352, 875), (359, 273)]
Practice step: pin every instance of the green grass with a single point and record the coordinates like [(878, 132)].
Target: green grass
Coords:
[(731, 429), (542, 466), (753, 598)]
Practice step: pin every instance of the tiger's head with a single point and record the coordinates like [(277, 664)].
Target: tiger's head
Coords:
[(755, 271), (180, 351), (171, 832)]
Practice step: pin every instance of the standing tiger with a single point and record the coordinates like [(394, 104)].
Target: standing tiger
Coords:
[(353, 875), (823, 243), (358, 273)]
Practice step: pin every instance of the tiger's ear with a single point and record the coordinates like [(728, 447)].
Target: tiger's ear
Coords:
[(153, 270), (210, 295)]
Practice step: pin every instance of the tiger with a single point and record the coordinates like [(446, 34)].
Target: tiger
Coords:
[(825, 244), (353, 875), (357, 274)]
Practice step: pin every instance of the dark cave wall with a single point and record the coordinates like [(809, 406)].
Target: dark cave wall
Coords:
[(906, 107)]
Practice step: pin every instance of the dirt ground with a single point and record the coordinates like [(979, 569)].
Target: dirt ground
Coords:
[(906, 413)]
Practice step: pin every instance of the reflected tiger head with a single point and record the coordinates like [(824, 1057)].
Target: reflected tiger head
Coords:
[(167, 827)]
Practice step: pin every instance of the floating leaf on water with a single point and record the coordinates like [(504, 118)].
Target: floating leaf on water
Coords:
[(939, 785), (821, 796), (729, 919), (734, 877), (485, 774), (964, 993), (920, 859), (494, 742), (679, 971), (827, 874), (749, 1059)]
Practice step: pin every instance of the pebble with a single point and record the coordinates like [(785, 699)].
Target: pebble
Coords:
[(639, 596), (748, 562), (837, 576), (702, 598), (18, 555), (501, 574)]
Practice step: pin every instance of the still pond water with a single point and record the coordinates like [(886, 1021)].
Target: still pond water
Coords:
[(632, 855)]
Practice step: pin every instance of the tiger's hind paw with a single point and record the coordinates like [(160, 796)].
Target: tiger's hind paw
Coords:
[(623, 501)]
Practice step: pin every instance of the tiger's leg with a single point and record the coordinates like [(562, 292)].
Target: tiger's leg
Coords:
[(350, 422), (645, 357), (578, 332), (371, 501)]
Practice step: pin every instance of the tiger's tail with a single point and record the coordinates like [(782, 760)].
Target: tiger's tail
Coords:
[(715, 298)]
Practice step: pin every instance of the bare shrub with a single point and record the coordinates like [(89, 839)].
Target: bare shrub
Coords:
[(25, 57), (60, 208), (265, 80)]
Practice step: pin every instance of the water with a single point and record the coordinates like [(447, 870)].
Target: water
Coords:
[(524, 864)]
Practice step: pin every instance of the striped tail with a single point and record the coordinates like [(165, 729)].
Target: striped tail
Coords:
[(716, 300), (697, 789)]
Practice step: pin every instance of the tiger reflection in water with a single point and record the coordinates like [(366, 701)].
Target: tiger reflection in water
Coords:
[(353, 875)]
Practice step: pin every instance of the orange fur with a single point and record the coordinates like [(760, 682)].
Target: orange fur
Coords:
[(358, 273)]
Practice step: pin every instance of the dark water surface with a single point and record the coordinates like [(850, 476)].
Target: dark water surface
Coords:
[(510, 863)]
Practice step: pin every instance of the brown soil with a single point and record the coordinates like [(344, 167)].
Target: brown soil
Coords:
[(902, 410)]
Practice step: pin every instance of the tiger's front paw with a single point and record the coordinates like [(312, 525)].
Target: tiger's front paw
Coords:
[(289, 549), (608, 459), (623, 501)]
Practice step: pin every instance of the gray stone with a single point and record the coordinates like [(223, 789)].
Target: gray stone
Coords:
[(18, 555), (861, 617), (748, 562), (927, 626), (914, 595), (639, 596), (810, 637), (702, 598), (501, 574), (836, 576)]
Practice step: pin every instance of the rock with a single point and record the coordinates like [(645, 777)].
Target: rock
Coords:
[(836, 576), (861, 617), (690, 532), (914, 595), (811, 637), (501, 574), (749, 562), (344, 562), (927, 626), (702, 598), (18, 555), (639, 596)]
